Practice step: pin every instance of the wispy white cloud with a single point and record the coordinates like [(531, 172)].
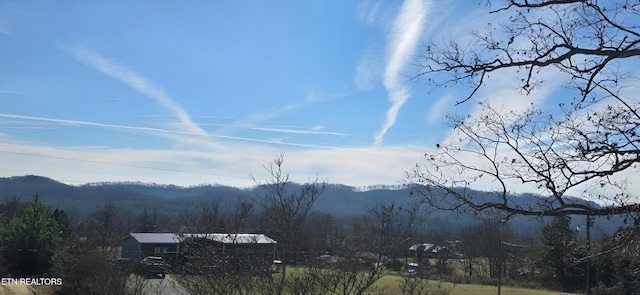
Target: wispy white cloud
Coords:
[(298, 131), (368, 72), (156, 130), (138, 82), (14, 92), (369, 11), (351, 166), (88, 164), (258, 118), (94, 124), (402, 43), (439, 109)]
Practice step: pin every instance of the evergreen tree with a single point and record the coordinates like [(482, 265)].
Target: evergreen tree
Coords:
[(556, 257), (28, 243)]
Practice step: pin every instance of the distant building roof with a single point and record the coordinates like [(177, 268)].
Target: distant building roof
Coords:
[(173, 238), (155, 238), (430, 248), (235, 238), (425, 247)]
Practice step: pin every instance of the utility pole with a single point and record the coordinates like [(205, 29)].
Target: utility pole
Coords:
[(588, 257), (500, 266), (588, 253), (500, 256)]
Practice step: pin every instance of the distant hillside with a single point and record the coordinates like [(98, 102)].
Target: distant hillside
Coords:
[(134, 197), (339, 200)]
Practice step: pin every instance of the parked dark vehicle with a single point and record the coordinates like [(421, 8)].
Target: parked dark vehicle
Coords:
[(153, 265)]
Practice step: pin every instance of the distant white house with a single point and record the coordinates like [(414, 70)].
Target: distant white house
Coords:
[(427, 250)]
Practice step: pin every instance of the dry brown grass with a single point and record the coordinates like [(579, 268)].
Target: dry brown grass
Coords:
[(18, 289)]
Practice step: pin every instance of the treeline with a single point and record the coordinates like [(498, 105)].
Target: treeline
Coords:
[(349, 253), (37, 241), (557, 259)]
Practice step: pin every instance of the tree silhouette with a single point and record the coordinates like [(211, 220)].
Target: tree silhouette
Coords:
[(584, 145), (286, 207)]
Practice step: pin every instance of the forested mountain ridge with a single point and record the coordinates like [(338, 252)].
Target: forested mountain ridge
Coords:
[(338, 200)]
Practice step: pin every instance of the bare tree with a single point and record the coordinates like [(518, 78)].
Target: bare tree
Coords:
[(103, 228), (204, 217), (285, 207), (359, 260), (391, 227), (584, 39), (583, 146), (207, 266), (240, 216), (87, 271), (106, 218), (485, 250), (588, 146), (320, 234), (417, 285)]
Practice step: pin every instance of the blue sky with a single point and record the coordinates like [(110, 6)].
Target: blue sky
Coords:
[(205, 92)]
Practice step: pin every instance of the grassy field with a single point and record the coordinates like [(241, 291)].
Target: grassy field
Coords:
[(482, 290), (392, 284)]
